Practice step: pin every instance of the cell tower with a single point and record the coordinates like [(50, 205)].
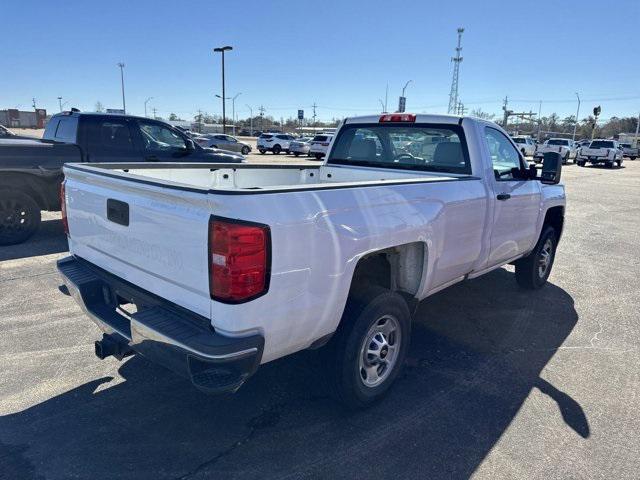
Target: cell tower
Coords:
[(453, 95)]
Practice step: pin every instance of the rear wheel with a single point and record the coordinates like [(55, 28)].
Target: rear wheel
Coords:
[(19, 217), (533, 270), (245, 150), (609, 164), (276, 149), (295, 154), (318, 156), (368, 350)]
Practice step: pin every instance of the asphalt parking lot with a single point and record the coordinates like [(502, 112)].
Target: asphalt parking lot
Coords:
[(500, 383)]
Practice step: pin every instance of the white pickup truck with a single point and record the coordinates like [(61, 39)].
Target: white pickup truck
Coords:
[(565, 147), (212, 270), (600, 151)]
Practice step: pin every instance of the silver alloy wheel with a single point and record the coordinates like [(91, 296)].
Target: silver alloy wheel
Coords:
[(546, 255), (379, 351)]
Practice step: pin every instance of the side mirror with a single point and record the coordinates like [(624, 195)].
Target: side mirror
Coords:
[(551, 168), (190, 144)]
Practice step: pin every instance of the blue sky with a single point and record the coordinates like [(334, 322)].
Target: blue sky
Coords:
[(339, 54)]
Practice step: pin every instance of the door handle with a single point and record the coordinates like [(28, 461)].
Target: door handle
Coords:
[(503, 196)]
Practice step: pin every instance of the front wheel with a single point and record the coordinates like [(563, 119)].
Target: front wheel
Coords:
[(19, 217), (580, 164), (369, 348), (262, 151), (276, 149), (245, 150), (295, 154), (533, 270), (318, 156)]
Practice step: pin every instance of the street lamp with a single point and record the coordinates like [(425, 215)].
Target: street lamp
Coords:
[(251, 119), (577, 116), (224, 119), (124, 106), (233, 111), (403, 99), (145, 105)]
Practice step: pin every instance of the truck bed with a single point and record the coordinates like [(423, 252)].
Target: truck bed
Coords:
[(259, 178)]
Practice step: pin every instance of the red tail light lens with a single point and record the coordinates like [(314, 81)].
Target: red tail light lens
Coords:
[(63, 209), (239, 260), (398, 117)]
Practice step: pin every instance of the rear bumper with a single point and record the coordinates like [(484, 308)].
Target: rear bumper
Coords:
[(164, 333)]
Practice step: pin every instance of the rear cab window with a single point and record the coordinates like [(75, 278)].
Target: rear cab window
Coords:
[(422, 147), (601, 144), (62, 129)]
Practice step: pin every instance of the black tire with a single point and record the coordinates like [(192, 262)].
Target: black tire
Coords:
[(262, 151), (295, 154), (528, 269), (276, 149), (245, 150), (319, 156), (565, 160), (19, 217), (524, 154), (361, 317), (609, 164), (620, 163), (287, 152), (580, 164)]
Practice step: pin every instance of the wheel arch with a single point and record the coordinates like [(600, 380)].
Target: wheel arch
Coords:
[(554, 217)]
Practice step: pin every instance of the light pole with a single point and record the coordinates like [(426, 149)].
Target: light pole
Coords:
[(251, 120), (60, 102), (224, 119), (233, 111), (577, 116), (145, 105), (124, 105), (403, 100)]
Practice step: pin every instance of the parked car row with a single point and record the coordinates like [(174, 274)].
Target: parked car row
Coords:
[(281, 142)]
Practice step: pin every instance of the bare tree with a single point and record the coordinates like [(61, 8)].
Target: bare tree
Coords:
[(99, 107)]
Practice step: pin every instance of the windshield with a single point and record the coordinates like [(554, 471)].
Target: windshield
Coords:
[(557, 141), (601, 144), (320, 138), (412, 147), (625, 145), (519, 140)]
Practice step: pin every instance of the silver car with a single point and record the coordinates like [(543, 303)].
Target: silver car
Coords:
[(300, 146), (223, 142)]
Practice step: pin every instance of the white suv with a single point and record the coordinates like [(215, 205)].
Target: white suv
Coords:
[(274, 142), (319, 145)]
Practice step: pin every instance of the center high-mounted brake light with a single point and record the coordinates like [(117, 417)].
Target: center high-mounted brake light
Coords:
[(398, 117), (239, 260), (63, 208)]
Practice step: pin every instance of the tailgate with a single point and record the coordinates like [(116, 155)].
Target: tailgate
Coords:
[(150, 235)]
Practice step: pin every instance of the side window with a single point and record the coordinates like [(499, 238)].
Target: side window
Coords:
[(66, 131), (157, 137), (50, 131), (503, 154), (109, 135)]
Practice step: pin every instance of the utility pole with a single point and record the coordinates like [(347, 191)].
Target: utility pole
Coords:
[(539, 119), (386, 97), (145, 105), (154, 110), (34, 103), (314, 117), (250, 120), (60, 102), (505, 118), (224, 118), (261, 110), (453, 94), (124, 105), (577, 117)]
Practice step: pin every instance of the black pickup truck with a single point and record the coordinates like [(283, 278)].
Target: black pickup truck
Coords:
[(31, 170)]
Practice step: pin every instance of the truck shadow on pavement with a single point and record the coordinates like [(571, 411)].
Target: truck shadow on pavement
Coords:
[(477, 353), (49, 238)]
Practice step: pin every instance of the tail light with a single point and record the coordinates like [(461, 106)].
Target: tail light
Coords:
[(63, 209), (239, 260), (398, 117)]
